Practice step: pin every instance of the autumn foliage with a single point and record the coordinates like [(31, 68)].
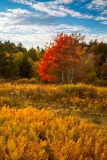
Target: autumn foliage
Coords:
[(62, 60), (41, 135)]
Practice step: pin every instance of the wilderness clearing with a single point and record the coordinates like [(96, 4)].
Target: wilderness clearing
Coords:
[(56, 122)]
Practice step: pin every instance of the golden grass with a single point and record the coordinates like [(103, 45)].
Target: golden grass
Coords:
[(54, 128), (31, 134)]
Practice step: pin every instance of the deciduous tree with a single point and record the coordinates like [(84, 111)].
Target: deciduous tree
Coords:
[(62, 60)]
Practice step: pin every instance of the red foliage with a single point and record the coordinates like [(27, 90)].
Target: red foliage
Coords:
[(60, 57)]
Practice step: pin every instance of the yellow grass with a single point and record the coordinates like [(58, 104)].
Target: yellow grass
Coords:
[(41, 135), (56, 126)]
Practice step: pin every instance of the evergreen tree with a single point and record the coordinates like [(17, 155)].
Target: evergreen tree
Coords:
[(25, 67), (32, 54)]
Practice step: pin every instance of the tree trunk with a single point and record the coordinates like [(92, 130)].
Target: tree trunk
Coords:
[(72, 72), (62, 77)]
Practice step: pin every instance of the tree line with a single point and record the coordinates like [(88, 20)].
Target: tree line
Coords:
[(18, 62), (66, 59)]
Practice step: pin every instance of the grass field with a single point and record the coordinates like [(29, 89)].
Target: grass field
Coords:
[(84, 100), (80, 109)]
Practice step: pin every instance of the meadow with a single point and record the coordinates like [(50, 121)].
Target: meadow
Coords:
[(53, 122)]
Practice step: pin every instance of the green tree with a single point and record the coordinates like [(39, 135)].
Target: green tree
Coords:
[(17, 60), (39, 52), (21, 48), (25, 67), (101, 49), (32, 54), (1, 46), (6, 64)]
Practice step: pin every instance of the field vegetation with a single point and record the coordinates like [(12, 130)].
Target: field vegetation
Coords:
[(53, 101), (53, 122)]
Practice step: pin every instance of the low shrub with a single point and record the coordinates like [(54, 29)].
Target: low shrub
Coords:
[(31, 134)]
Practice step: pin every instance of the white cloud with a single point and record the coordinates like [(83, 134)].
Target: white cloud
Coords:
[(104, 12), (38, 26), (97, 4), (18, 11), (57, 9), (104, 22), (100, 18), (53, 8), (20, 17), (100, 37), (63, 1), (29, 2), (39, 35), (26, 2), (13, 16), (100, 6), (34, 33)]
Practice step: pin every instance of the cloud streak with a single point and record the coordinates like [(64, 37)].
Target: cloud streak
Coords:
[(40, 35), (57, 9), (97, 4), (25, 17), (39, 23), (17, 25), (54, 8)]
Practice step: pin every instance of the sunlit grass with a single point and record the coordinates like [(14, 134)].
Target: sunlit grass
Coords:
[(81, 107), (87, 101), (34, 134)]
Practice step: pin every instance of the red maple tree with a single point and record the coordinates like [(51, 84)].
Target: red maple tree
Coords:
[(62, 59)]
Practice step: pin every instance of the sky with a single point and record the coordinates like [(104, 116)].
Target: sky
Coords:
[(35, 22)]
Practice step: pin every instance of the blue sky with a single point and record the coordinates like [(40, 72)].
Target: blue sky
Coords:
[(35, 22)]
